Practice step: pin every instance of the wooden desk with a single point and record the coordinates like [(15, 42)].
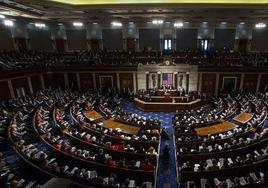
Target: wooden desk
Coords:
[(93, 116), (219, 127), (165, 106), (243, 118), (170, 92), (128, 129)]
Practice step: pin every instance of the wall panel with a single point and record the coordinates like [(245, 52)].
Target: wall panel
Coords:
[(86, 81), (126, 80), (249, 84), (237, 76), (186, 39), (112, 39), (259, 40), (5, 94), (36, 83), (99, 76), (149, 38), (224, 38), (20, 83), (76, 39), (6, 41), (264, 83), (208, 82), (54, 80), (40, 40), (72, 81)]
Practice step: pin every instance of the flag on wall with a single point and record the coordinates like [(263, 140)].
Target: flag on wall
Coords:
[(167, 78)]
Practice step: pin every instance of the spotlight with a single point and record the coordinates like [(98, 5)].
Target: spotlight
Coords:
[(78, 24), (40, 25), (117, 24), (8, 23), (260, 25)]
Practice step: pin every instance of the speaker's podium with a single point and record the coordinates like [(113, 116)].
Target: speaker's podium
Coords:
[(167, 61), (167, 96)]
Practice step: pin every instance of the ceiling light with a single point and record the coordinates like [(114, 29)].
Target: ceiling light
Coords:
[(78, 24), (2, 16), (131, 22), (205, 22), (223, 23), (8, 23), (60, 24), (117, 24), (157, 22), (260, 25), (178, 24), (242, 23), (40, 25), (95, 23)]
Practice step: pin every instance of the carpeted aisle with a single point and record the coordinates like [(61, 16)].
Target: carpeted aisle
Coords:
[(167, 174)]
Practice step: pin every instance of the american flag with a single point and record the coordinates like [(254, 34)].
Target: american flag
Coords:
[(167, 78)]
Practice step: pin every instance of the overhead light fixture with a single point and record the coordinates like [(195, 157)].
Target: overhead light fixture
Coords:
[(178, 24), (157, 21), (78, 24), (2, 16), (8, 23), (117, 24), (205, 22), (60, 24), (223, 23), (95, 23), (40, 25), (260, 25), (131, 23), (242, 23)]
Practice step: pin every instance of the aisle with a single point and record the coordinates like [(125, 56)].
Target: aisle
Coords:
[(167, 174)]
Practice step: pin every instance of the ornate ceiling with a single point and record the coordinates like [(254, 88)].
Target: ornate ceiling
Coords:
[(105, 2), (211, 11)]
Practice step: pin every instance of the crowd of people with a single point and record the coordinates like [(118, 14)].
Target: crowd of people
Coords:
[(110, 107), (206, 160), (49, 130), (10, 60), (17, 116), (137, 119), (250, 180)]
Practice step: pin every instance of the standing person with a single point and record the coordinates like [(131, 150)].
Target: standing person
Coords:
[(166, 153), (164, 134)]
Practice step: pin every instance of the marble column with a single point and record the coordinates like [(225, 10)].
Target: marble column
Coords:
[(94, 81), (11, 90), (134, 82), (242, 82), (158, 79), (118, 81), (200, 82), (187, 82), (147, 81), (217, 84), (30, 84), (258, 84), (42, 81), (78, 81), (66, 80), (175, 80)]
